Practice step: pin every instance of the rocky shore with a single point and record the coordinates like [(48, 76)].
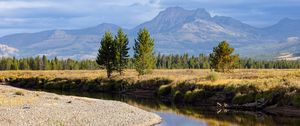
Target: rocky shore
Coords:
[(23, 107)]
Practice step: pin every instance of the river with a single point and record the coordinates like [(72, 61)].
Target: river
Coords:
[(180, 115)]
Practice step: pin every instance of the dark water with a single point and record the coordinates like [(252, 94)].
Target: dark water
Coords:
[(174, 115)]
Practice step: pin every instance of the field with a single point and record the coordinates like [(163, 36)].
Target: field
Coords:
[(264, 79), (240, 87)]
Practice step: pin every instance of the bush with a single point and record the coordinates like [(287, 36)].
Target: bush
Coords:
[(265, 95), (243, 98), (188, 96), (184, 87), (296, 100), (213, 76), (152, 84), (191, 96), (19, 93), (164, 90), (177, 96)]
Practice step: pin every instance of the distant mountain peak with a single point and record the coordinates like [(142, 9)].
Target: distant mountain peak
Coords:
[(175, 30), (202, 13), (198, 13), (107, 25), (174, 17), (174, 9)]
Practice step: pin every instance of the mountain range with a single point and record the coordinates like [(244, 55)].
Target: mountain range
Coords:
[(175, 31)]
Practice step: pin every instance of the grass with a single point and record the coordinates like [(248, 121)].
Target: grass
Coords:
[(262, 78), (19, 93), (11, 97), (239, 86)]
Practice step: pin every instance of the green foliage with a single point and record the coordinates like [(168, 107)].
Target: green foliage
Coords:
[(191, 96), (243, 98), (107, 53), (265, 95), (222, 60), (164, 90), (212, 77), (162, 62), (177, 96), (19, 93), (296, 100), (122, 48), (144, 59)]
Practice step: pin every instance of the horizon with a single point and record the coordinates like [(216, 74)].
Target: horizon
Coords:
[(22, 16)]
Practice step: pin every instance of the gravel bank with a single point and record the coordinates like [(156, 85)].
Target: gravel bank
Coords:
[(21, 107)]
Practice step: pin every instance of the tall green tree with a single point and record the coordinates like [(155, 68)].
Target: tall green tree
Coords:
[(222, 59), (144, 58), (107, 53), (121, 42)]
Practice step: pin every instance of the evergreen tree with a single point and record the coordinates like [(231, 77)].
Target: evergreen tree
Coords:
[(106, 53), (45, 64), (122, 48), (222, 60), (144, 59)]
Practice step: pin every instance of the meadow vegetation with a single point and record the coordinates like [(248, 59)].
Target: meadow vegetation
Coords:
[(280, 87)]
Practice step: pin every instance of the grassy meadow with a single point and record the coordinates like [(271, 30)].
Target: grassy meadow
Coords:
[(238, 87), (264, 78)]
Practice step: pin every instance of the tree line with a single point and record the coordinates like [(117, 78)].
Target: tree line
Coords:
[(113, 56), (175, 61), (43, 63)]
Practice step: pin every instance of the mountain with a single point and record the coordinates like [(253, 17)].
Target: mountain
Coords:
[(175, 30), (79, 43), (284, 28)]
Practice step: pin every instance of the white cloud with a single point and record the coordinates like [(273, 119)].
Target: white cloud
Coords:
[(53, 14), (6, 51), (9, 5), (292, 39)]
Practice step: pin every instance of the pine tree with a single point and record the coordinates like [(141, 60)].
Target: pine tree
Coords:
[(106, 53), (144, 59), (222, 60), (122, 48), (45, 64)]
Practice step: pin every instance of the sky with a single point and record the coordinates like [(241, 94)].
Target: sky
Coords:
[(17, 16)]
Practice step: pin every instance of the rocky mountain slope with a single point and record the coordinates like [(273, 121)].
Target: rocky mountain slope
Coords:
[(175, 30)]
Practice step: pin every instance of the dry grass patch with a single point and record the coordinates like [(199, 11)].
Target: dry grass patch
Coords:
[(263, 78)]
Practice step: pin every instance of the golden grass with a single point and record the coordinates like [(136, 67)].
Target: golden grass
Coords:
[(8, 97), (264, 79)]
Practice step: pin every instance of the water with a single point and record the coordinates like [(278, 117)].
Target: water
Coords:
[(179, 115)]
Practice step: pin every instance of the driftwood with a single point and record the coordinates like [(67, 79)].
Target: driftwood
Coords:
[(257, 105)]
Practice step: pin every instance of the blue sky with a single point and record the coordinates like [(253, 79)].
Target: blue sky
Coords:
[(36, 15)]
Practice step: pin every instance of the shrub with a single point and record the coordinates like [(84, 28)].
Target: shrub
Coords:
[(19, 93), (243, 98), (177, 96), (213, 76), (265, 95), (188, 96), (153, 84), (296, 100), (191, 96), (164, 90), (184, 87)]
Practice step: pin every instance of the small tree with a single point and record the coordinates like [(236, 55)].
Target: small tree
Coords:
[(222, 60), (106, 53), (144, 59), (122, 48)]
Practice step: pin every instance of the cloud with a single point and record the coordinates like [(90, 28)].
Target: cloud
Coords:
[(35, 15), (293, 39), (10, 5), (6, 51)]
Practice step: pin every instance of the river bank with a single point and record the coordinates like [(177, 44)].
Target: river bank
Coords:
[(254, 90), (23, 107)]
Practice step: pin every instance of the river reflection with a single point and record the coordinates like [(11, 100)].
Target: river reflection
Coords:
[(175, 115)]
